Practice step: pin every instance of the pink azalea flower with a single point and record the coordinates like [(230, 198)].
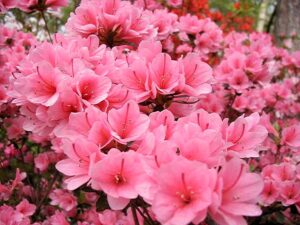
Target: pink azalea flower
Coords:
[(118, 96), (148, 49), (290, 192), (189, 24), (41, 87), (270, 192), (100, 132), (63, 199), (81, 156), (92, 88), (42, 161), (7, 4), (18, 179), (148, 4), (184, 192), (58, 219), (9, 216), (162, 119), (116, 176), (29, 5), (114, 22), (136, 79), (197, 75), (238, 80), (265, 121), (166, 26), (207, 148), (15, 127), (174, 3), (127, 123), (25, 208), (209, 38), (237, 192), (109, 217), (245, 135), (291, 136), (67, 103), (165, 74), (204, 120), (80, 123), (282, 172)]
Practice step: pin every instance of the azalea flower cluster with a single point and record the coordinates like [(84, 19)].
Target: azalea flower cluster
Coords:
[(237, 16), (14, 47), (31, 5), (130, 119)]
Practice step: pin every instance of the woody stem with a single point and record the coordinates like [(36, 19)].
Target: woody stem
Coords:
[(134, 214), (46, 25)]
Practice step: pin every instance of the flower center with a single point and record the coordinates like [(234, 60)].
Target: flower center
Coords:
[(187, 193), (119, 178)]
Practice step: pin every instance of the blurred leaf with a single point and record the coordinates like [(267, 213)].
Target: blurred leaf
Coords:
[(66, 11)]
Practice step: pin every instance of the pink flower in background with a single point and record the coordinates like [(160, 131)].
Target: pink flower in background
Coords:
[(10, 216), (270, 192), (30, 5), (282, 172), (14, 127), (42, 161), (64, 199), (58, 219), (175, 3), (291, 136), (114, 22), (7, 4), (166, 26), (25, 208), (290, 192), (189, 24)]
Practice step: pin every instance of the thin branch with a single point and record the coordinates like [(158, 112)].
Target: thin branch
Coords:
[(46, 25), (272, 18), (50, 186), (187, 103), (134, 214), (145, 218)]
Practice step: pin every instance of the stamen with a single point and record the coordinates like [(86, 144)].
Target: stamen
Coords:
[(186, 195), (162, 83), (243, 131), (81, 159), (119, 178), (191, 78), (124, 125), (237, 178)]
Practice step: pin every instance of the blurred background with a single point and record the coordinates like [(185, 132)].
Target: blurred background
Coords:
[(278, 17)]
